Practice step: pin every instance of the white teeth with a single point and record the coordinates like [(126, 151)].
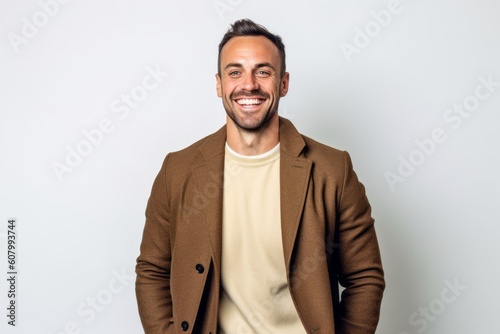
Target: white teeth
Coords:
[(249, 101)]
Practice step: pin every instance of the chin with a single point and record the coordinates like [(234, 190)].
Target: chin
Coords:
[(250, 124)]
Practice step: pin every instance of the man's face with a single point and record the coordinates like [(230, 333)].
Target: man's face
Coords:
[(250, 83)]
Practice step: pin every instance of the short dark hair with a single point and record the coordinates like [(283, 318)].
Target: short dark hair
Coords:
[(246, 27)]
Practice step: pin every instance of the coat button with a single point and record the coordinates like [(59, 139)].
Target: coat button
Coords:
[(185, 326), (200, 269)]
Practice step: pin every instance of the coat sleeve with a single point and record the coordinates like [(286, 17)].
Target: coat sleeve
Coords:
[(360, 267), (153, 264)]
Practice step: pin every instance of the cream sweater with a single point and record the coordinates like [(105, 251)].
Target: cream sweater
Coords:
[(255, 296)]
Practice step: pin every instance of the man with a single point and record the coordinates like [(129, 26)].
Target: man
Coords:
[(251, 229)]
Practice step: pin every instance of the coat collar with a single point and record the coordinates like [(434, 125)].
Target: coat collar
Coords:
[(295, 172), (291, 141), (294, 178)]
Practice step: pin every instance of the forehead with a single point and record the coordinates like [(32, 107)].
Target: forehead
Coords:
[(249, 48)]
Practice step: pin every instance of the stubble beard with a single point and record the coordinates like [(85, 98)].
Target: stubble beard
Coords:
[(259, 124)]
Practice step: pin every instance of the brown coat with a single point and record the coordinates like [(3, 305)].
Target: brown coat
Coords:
[(327, 230)]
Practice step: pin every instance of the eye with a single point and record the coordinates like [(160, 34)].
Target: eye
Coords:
[(262, 73), (234, 73)]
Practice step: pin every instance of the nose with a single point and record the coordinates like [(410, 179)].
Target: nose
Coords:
[(249, 82)]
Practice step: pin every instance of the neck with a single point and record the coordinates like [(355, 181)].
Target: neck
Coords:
[(253, 142)]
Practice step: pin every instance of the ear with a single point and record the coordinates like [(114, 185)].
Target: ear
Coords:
[(284, 84), (219, 85)]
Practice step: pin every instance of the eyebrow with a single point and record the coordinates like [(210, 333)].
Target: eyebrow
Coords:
[(260, 65)]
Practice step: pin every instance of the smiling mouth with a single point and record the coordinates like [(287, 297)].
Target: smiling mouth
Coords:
[(249, 102)]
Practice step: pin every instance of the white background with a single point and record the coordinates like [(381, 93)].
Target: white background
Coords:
[(68, 73)]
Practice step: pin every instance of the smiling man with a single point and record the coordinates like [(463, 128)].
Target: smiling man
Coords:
[(251, 229), (250, 82)]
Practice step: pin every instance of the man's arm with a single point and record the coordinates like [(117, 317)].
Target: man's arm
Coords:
[(153, 264), (360, 266)]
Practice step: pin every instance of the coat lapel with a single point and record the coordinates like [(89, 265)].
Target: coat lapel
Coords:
[(210, 182), (294, 179)]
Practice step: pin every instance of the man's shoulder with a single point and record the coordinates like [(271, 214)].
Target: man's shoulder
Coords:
[(295, 143), (324, 157), (316, 147), (211, 144)]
